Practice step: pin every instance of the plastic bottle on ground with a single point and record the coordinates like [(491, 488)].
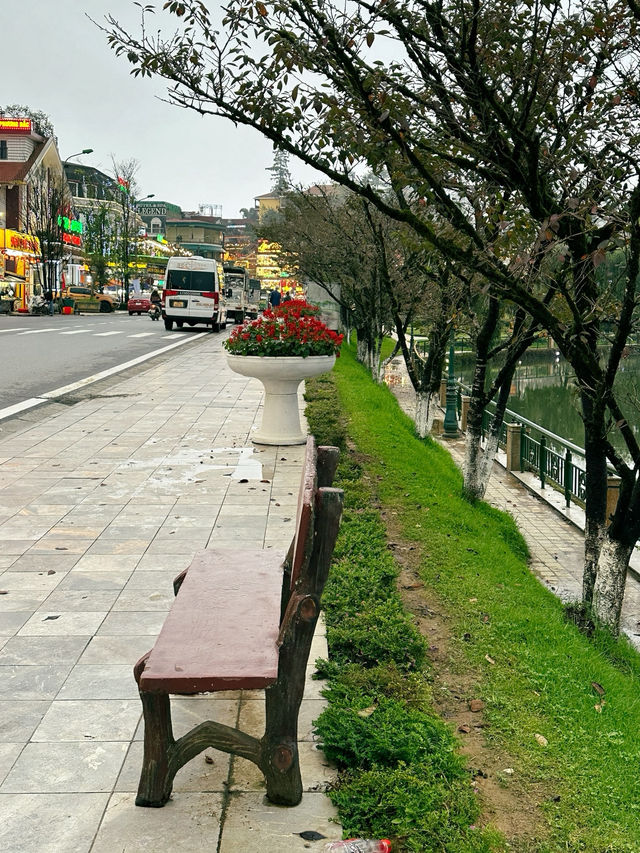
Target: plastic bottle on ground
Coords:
[(359, 845)]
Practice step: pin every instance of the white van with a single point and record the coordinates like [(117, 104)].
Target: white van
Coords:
[(192, 294)]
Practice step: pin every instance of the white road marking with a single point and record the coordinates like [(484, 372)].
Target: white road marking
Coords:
[(19, 329), (171, 337), (67, 389), (141, 335), (38, 331), (76, 332), (107, 334)]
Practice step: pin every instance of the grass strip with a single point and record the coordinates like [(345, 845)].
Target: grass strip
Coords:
[(564, 707), (401, 774)]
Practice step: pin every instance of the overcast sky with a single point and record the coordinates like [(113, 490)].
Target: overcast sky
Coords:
[(55, 60)]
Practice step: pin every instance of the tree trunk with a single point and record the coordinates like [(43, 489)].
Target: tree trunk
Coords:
[(361, 346), (608, 592), (471, 489), (424, 412)]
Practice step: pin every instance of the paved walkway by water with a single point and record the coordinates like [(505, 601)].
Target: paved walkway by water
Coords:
[(104, 498), (554, 535)]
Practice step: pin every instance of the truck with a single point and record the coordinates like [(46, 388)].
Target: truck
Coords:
[(242, 299)]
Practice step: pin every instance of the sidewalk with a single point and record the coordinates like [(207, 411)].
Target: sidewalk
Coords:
[(554, 534), (104, 498)]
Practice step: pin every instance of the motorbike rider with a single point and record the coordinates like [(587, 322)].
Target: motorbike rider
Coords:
[(156, 301)]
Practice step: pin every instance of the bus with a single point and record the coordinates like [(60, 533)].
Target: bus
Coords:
[(193, 294)]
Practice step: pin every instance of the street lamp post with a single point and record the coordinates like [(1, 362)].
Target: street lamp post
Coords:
[(451, 412), (71, 156)]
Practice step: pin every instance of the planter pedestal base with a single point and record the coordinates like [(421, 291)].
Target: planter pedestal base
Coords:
[(281, 377)]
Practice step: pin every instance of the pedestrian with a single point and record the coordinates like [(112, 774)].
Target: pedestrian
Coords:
[(48, 296), (287, 296), (274, 298)]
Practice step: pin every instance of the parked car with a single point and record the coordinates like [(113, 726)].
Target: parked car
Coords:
[(77, 293), (139, 304)]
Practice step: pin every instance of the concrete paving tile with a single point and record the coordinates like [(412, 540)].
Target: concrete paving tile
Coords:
[(253, 825), (119, 649), (252, 718), (100, 681), (163, 563), (27, 600), (7, 560), (32, 582), (124, 622), (144, 599), (66, 768), (98, 562), (190, 821), (40, 562), (34, 651), (132, 548), (56, 544), (16, 547), (8, 755), (11, 622), (161, 580), (27, 821), (80, 600), (178, 547), (91, 580), (52, 623), (89, 720), (19, 719), (32, 682)]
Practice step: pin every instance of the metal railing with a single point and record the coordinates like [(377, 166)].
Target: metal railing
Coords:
[(557, 462)]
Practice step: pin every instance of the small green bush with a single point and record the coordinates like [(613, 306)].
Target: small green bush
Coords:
[(385, 735), (424, 811), (378, 633)]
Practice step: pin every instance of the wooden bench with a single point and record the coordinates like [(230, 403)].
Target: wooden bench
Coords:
[(243, 619)]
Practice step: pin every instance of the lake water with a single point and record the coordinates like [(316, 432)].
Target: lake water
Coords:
[(544, 391)]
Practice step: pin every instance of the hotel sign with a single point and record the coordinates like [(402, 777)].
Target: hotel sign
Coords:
[(151, 209), (15, 125)]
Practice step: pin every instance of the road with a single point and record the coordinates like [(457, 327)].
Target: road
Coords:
[(40, 355)]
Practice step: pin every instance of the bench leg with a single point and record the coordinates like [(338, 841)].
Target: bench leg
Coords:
[(281, 770), (156, 779)]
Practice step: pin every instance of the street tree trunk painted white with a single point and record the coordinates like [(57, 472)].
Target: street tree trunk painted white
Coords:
[(424, 412), (608, 592), (593, 537), (478, 464), (361, 349)]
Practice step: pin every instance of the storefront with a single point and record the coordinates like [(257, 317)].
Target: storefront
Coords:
[(19, 254)]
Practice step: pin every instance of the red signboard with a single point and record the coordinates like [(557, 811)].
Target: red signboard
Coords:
[(15, 125)]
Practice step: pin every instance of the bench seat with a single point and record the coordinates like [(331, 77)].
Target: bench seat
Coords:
[(220, 634)]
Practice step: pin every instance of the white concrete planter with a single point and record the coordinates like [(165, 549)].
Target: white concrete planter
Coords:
[(281, 376)]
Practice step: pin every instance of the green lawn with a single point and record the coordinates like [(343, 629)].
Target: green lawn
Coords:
[(474, 560)]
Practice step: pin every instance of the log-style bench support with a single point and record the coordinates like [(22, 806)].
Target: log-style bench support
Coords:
[(243, 619)]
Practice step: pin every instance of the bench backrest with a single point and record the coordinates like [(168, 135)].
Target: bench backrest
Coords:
[(304, 514)]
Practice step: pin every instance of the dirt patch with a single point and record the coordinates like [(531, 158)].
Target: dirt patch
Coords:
[(511, 807)]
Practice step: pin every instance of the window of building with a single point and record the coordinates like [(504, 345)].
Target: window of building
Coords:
[(4, 155)]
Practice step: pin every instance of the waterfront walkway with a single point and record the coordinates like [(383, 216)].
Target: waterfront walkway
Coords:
[(104, 497), (554, 534)]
